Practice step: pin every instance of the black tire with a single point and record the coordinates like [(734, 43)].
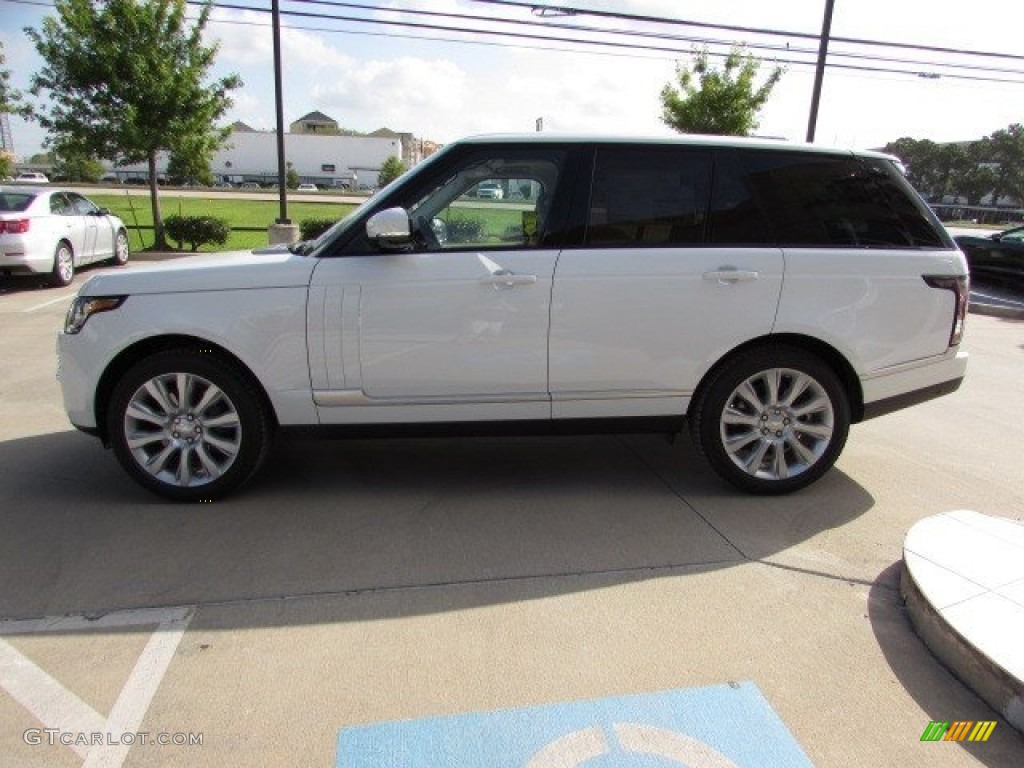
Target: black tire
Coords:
[(63, 265), (199, 447), (121, 249), (771, 444)]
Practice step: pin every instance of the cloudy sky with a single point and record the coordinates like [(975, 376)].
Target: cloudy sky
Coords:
[(442, 84)]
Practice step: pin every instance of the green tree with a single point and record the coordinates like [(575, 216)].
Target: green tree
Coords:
[(1007, 147), (390, 170), (126, 79), (722, 102), (191, 161), (74, 165), (291, 177), (42, 158), (11, 100), (6, 163)]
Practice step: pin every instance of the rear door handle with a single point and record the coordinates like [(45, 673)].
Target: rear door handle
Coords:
[(505, 278), (729, 275)]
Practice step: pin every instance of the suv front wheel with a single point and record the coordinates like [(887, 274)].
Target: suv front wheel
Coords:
[(772, 420), (188, 425)]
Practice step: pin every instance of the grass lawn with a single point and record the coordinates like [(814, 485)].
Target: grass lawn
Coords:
[(135, 211)]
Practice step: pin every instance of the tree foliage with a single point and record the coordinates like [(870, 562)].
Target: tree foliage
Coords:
[(391, 169), (192, 161), (717, 101), (126, 79), (972, 172), (11, 100), (72, 164)]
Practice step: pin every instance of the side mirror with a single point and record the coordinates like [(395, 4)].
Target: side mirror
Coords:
[(390, 228), (102, 212)]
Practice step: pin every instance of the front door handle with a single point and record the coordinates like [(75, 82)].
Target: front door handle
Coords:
[(504, 278), (730, 275)]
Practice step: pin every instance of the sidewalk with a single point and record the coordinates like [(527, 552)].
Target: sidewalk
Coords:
[(963, 582)]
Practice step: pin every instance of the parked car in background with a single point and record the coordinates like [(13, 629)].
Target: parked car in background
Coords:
[(490, 191), (994, 257), (307, 188), (249, 185), (32, 178), (53, 232), (761, 294)]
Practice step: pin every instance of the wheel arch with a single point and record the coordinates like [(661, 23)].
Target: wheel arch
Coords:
[(142, 349), (824, 351)]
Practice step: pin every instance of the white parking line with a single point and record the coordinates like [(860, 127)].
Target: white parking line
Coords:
[(58, 708), (65, 297)]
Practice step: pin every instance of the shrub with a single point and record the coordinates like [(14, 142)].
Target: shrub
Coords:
[(197, 230), (310, 229), (463, 229)]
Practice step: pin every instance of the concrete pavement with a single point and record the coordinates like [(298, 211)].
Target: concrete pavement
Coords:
[(362, 581)]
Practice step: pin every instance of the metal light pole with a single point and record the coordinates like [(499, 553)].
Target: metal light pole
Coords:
[(819, 74), (276, 16)]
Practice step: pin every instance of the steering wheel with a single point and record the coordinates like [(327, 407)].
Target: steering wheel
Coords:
[(427, 234)]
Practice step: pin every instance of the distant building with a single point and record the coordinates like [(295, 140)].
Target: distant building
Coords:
[(316, 148), (314, 122)]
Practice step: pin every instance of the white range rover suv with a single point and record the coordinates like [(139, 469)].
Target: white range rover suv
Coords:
[(765, 295)]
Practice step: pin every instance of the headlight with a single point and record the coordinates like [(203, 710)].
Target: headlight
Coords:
[(84, 307)]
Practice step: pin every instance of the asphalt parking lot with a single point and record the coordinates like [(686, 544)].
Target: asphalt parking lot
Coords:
[(356, 582)]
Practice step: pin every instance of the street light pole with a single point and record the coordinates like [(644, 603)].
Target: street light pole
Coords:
[(819, 74), (276, 20)]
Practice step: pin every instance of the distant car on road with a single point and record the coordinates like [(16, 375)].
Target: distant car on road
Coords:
[(994, 256), (249, 185), (490, 190), (307, 188), (32, 178), (55, 231)]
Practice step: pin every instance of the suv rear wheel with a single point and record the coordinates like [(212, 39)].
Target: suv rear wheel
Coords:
[(772, 420), (187, 425)]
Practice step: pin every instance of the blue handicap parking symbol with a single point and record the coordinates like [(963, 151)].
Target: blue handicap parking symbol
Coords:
[(722, 726)]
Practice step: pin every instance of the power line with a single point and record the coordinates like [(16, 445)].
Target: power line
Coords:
[(659, 35), (573, 11), (580, 41), (674, 51)]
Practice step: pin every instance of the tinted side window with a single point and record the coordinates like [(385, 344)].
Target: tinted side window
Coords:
[(834, 200), (80, 205), (59, 205), (649, 196), (735, 218)]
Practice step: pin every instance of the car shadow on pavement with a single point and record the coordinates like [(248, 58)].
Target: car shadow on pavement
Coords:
[(939, 693), (509, 519)]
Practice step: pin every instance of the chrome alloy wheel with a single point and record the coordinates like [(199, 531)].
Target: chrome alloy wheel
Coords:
[(182, 429), (777, 423)]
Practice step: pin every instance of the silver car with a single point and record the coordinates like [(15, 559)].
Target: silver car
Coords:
[(46, 231)]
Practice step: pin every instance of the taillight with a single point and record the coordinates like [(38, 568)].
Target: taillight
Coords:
[(14, 226), (959, 285)]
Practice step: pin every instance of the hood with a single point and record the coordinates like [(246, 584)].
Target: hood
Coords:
[(235, 270)]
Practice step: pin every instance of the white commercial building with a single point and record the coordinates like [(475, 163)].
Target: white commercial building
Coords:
[(322, 159)]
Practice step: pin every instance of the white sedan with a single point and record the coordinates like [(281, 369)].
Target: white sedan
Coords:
[(45, 231)]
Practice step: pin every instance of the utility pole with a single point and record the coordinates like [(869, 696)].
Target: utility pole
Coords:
[(819, 74), (282, 230)]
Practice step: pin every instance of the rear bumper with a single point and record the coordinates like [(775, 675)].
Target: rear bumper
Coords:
[(908, 385)]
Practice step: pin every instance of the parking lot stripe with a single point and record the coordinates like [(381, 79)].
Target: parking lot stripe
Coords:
[(57, 707), (65, 297), (49, 701)]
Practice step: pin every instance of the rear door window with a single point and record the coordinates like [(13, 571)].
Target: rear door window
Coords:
[(649, 197)]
